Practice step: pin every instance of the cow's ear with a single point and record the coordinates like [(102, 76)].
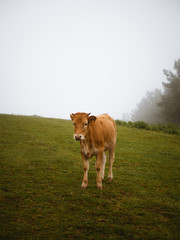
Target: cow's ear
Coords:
[(72, 116), (91, 118)]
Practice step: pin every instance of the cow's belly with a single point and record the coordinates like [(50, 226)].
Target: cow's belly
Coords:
[(89, 152), (109, 144)]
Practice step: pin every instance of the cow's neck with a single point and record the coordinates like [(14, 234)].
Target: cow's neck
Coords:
[(87, 141), (86, 144)]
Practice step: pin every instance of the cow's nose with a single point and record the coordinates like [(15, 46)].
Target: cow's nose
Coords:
[(78, 137)]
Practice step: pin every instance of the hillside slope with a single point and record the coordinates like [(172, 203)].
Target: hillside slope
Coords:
[(41, 172)]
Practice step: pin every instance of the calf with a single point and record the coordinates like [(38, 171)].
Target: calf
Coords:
[(96, 135)]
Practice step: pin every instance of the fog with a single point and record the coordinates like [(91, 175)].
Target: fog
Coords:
[(59, 57)]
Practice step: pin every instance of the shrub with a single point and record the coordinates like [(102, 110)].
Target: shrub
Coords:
[(170, 128), (122, 123), (154, 127), (118, 122), (160, 127), (130, 124), (141, 125)]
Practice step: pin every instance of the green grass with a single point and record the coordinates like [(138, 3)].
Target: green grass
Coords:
[(41, 172)]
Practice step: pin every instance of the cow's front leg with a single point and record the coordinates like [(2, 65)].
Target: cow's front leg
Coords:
[(86, 168), (99, 170)]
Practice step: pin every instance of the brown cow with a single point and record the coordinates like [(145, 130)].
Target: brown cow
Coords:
[(96, 135)]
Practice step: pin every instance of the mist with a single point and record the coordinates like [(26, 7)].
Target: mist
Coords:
[(161, 106), (59, 57)]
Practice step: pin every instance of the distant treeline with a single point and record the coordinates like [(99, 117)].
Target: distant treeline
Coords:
[(161, 107), (170, 128)]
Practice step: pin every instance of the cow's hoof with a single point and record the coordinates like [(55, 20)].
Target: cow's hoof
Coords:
[(109, 179), (83, 187), (99, 187)]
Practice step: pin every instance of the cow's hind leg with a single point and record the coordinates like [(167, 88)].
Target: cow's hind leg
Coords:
[(103, 164), (111, 160)]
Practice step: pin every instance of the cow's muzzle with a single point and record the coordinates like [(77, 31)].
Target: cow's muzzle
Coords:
[(78, 137)]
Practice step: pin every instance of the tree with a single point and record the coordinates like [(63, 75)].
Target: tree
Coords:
[(170, 99), (148, 110), (159, 107)]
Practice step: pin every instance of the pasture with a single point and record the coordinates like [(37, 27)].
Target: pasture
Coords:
[(41, 173)]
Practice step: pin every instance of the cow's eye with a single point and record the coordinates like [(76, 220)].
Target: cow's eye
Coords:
[(85, 124)]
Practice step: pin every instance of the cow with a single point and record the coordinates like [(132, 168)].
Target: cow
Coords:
[(96, 135)]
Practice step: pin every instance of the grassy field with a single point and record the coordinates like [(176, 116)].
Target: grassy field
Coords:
[(41, 172)]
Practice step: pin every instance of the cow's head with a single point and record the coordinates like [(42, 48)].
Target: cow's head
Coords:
[(81, 123)]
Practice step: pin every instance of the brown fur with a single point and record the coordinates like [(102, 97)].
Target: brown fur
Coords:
[(96, 135)]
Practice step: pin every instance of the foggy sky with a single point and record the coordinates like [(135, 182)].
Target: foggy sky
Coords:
[(59, 57)]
